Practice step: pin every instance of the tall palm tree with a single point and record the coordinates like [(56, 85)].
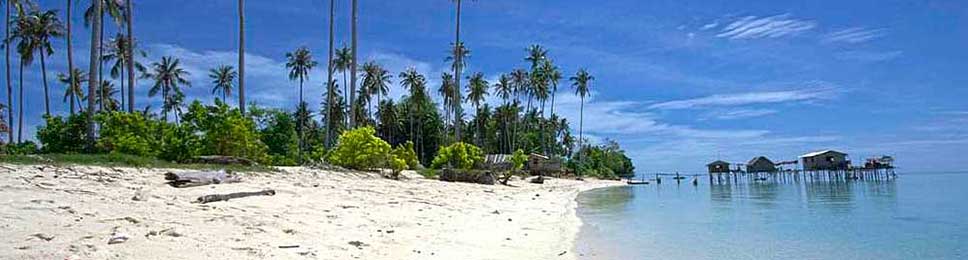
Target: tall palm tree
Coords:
[(168, 77), (504, 89), (45, 25), (353, 75), (329, 73), (553, 75), (118, 51), (342, 64), (223, 79), (458, 58), (446, 91), (376, 80), (242, 56), (536, 54), (70, 53), (414, 83), (580, 82), (107, 100), (20, 7), (129, 12), (300, 63), (74, 93), (476, 93), (113, 9), (93, 71), (26, 45)]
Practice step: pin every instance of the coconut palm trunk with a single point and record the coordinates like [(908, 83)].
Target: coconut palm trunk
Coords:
[(70, 51), (329, 76), (130, 53), (458, 59), (43, 72), (242, 56), (93, 72), (352, 99), (20, 103), (9, 86)]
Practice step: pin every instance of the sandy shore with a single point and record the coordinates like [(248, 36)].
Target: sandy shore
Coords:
[(72, 212)]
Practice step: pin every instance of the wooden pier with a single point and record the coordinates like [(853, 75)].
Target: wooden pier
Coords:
[(846, 175)]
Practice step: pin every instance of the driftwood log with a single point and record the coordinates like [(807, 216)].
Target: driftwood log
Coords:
[(480, 177), (191, 179), (225, 197), (220, 159), (538, 180)]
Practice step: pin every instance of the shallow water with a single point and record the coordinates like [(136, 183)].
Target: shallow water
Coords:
[(917, 216)]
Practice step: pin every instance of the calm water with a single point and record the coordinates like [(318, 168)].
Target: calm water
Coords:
[(917, 216)]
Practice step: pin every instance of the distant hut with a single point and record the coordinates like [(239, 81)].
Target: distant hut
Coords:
[(825, 160), (882, 162), (718, 167), (760, 164), (543, 165)]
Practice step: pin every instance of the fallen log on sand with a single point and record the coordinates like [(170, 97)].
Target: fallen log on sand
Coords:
[(191, 179), (225, 197)]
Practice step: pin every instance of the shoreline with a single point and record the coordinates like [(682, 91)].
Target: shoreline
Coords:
[(573, 211), (70, 212)]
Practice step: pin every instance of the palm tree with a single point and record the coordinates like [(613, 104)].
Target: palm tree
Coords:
[(412, 81), (342, 64), (74, 93), (118, 51), (242, 56), (45, 25), (458, 55), (111, 8), (580, 81), (553, 75), (26, 45), (168, 77), (329, 73), (70, 56), (129, 9), (536, 54), (107, 100), (446, 91), (20, 6), (223, 78), (504, 90), (299, 63), (376, 80), (476, 93), (352, 100), (93, 71)]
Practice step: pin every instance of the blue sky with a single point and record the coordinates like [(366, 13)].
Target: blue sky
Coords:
[(678, 83)]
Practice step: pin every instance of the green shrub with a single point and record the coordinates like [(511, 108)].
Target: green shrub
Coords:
[(518, 158), (24, 148), (60, 135), (360, 149), (458, 155), (179, 143), (405, 152), (225, 131), (129, 133)]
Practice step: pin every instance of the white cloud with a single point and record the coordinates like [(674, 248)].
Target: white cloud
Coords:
[(738, 99), (753, 27), (739, 114), (854, 35)]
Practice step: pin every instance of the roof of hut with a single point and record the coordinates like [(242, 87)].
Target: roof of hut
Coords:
[(820, 153), (759, 158), (717, 162)]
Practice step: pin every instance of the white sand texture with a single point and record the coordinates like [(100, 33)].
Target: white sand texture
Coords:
[(86, 212)]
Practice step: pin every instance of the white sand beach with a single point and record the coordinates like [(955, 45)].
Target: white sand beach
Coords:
[(72, 212)]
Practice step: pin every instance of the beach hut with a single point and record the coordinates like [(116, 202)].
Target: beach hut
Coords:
[(718, 167), (825, 160), (882, 162), (543, 165), (498, 162), (760, 164)]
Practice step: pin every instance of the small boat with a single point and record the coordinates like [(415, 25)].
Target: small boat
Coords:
[(679, 178), (636, 182)]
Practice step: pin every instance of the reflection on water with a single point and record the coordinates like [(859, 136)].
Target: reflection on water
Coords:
[(768, 220)]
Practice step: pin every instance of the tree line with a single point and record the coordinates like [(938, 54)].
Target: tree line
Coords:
[(525, 118)]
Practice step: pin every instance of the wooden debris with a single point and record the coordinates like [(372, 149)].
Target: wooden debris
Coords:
[(191, 179), (225, 197)]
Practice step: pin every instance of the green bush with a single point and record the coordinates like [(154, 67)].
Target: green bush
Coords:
[(179, 143), (405, 152), (458, 155), (129, 133), (225, 131), (360, 149), (24, 148), (518, 158), (60, 135)]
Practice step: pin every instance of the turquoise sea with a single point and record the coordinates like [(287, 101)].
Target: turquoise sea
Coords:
[(916, 216)]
